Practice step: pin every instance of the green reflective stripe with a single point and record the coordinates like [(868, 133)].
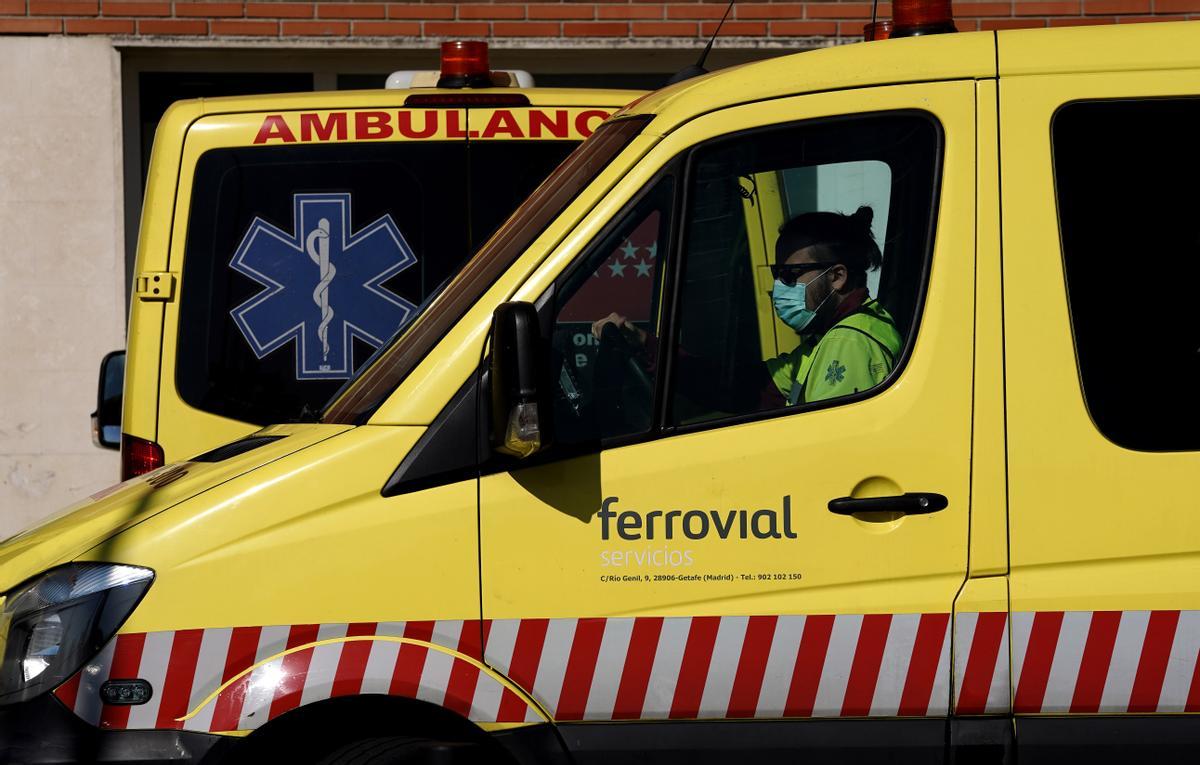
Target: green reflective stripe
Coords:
[(875, 310), (850, 362), (890, 356)]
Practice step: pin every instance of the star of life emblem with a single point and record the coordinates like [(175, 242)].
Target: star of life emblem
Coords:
[(835, 373), (324, 285)]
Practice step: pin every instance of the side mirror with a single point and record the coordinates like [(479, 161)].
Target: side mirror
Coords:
[(106, 420), (519, 414)]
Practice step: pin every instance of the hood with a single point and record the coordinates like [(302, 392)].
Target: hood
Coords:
[(110, 511)]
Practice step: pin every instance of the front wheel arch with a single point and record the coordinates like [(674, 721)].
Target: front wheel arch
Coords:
[(308, 733)]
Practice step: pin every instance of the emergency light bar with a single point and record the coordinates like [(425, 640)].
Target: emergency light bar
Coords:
[(921, 17), (911, 18), (464, 65)]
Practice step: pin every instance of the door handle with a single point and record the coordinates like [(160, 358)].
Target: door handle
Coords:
[(913, 503)]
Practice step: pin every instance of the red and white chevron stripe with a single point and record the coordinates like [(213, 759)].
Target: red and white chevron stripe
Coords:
[(186, 667), (576, 669), (1078, 662), (876, 665), (732, 666), (981, 678), (1106, 661)]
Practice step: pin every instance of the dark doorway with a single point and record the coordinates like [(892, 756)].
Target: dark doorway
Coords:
[(158, 90)]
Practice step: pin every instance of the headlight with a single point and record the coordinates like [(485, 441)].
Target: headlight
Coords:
[(54, 623)]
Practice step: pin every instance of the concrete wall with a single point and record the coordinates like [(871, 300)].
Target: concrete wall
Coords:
[(61, 267)]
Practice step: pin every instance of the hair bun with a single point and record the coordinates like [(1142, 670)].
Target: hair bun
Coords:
[(864, 215)]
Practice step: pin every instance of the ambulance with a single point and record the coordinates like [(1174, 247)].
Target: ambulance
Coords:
[(284, 238), (528, 531)]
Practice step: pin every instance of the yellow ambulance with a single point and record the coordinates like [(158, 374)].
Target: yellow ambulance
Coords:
[(556, 520), (285, 238)]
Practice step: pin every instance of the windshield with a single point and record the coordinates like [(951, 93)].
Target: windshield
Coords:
[(301, 260), (365, 392)]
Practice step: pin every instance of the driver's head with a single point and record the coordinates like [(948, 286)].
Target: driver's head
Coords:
[(820, 258)]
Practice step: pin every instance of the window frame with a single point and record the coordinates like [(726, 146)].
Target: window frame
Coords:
[(548, 301), (928, 239), (1055, 167), (682, 166)]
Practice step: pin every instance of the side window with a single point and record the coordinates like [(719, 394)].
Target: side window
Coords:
[(607, 316), (803, 259), (1127, 215)]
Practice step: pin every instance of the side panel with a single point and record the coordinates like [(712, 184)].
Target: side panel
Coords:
[(844, 617), (1105, 539)]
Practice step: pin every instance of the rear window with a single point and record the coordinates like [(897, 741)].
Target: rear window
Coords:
[(1127, 212), (300, 261)]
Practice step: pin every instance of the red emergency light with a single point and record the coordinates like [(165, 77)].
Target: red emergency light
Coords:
[(877, 30), (921, 17), (465, 65)]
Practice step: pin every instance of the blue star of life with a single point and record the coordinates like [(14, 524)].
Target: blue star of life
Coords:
[(324, 285)]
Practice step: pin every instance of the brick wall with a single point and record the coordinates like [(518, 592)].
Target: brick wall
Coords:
[(629, 20)]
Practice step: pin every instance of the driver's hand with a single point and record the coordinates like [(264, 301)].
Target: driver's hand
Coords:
[(620, 322)]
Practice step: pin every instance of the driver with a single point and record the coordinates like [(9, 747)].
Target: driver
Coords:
[(848, 341)]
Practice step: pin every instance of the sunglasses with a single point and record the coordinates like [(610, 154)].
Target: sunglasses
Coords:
[(788, 273)]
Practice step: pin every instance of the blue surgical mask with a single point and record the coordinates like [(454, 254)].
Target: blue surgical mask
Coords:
[(791, 303)]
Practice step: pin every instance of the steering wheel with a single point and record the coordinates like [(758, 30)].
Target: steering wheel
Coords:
[(624, 393)]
